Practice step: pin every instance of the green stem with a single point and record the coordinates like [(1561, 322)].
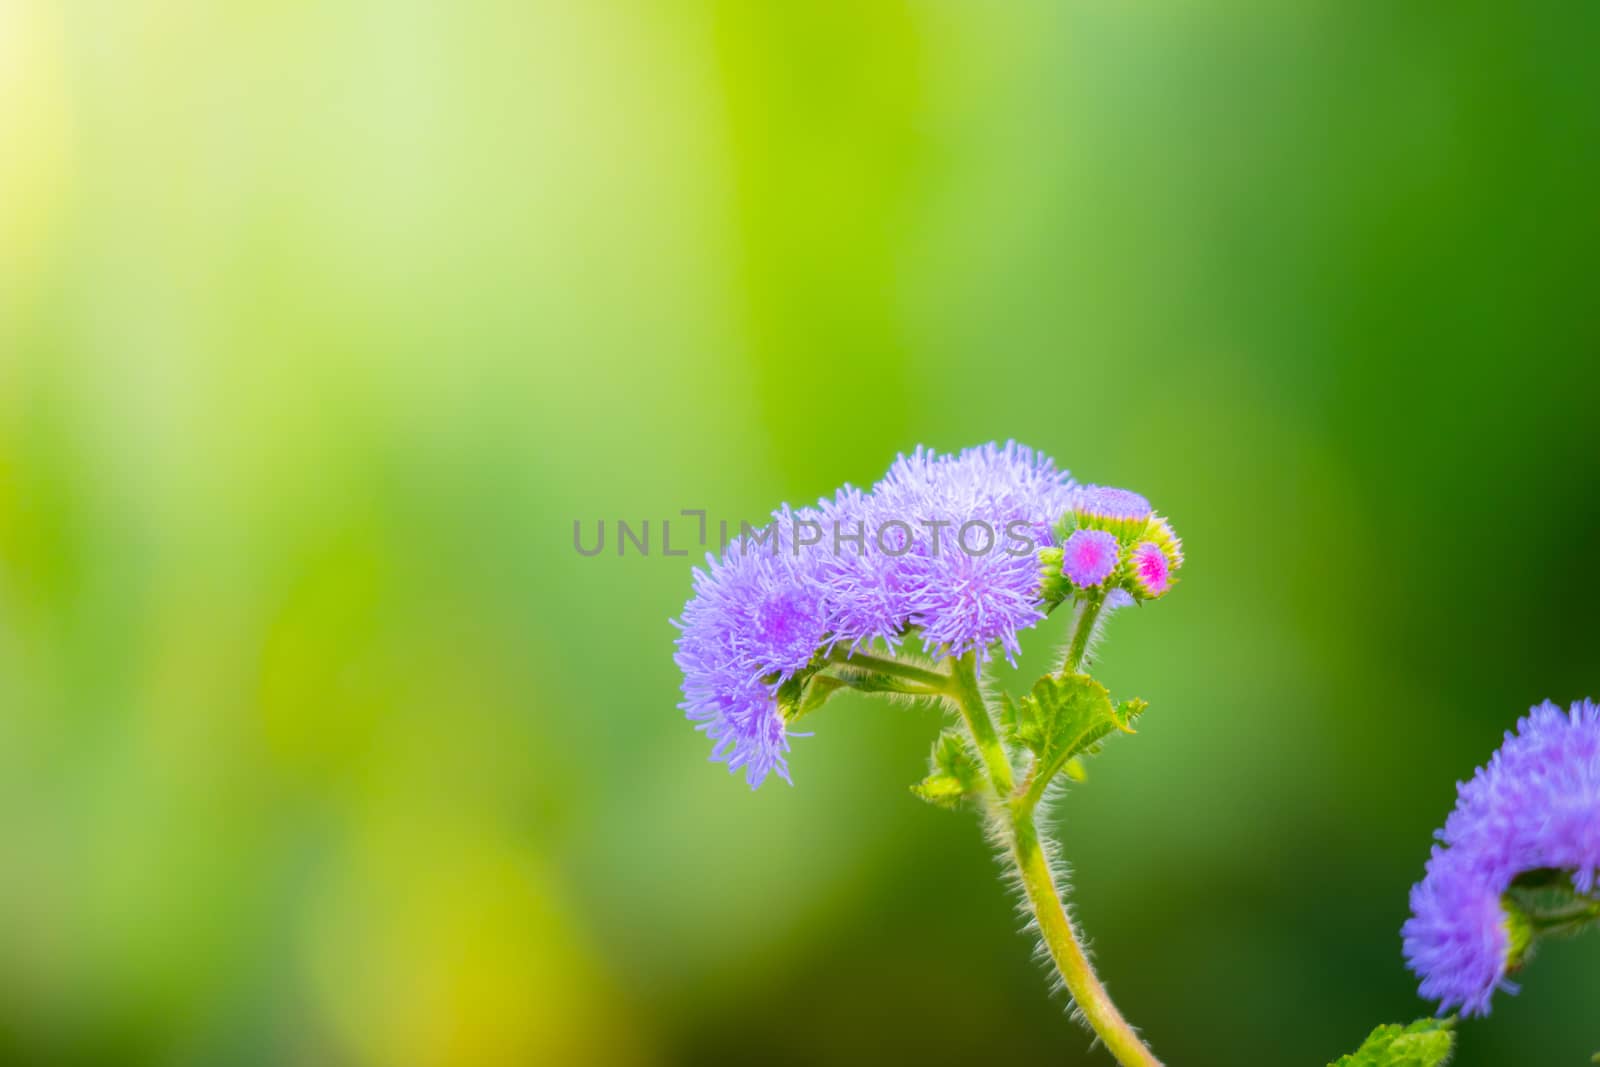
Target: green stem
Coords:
[(1087, 991), (964, 688), (1037, 882), (1079, 647), (892, 667)]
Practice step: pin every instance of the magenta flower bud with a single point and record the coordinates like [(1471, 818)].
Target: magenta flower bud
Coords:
[(1152, 571), (1089, 557)]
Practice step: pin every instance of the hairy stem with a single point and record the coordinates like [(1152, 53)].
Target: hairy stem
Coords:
[(1084, 630), (893, 667), (1037, 882), (964, 688), (1056, 928)]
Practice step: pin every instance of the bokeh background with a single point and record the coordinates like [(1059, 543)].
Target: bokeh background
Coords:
[(322, 323)]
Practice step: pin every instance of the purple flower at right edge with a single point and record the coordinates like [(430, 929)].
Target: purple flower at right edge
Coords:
[(1536, 805)]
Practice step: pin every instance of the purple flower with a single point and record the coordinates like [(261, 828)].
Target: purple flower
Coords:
[(757, 616), (1089, 557), (966, 529), (1457, 940), (866, 594), (947, 544), (1535, 805)]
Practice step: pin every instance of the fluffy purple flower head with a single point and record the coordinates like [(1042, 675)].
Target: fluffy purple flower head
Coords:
[(866, 595), (757, 616), (1537, 802), (1089, 557), (1457, 939), (965, 530), (1535, 805)]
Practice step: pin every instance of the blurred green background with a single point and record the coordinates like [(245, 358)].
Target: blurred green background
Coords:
[(321, 324)]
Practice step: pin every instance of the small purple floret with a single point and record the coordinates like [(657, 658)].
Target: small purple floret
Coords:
[(1089, 557), (1106, 502)]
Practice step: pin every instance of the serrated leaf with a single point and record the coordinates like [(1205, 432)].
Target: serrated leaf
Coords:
[(1066, 716), (1129, 710), (956, 773), (1424, 1043)]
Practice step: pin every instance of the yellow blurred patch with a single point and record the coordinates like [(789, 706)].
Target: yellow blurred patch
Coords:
[(34, 138), (445, 947)]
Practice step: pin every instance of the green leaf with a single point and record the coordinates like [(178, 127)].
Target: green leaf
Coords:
[(956, 775), (1064, 717), (1424, 1043)]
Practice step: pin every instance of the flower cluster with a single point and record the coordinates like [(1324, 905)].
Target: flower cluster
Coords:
[(945, 547), (1112, 544), (1536, 805)]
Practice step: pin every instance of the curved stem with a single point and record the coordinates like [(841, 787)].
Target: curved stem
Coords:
[(1056, 928), (892, 667), (1037, 882)]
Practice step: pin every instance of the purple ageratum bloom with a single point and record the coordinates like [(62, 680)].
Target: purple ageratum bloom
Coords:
[(963, 530), (1457, 940), (1537, 802), (1535, 805), (1089, 557), (866, 594), (756, 617), (1017, 484), (761, 613)]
